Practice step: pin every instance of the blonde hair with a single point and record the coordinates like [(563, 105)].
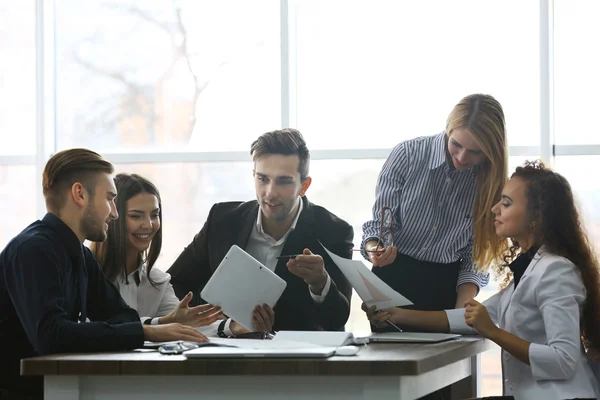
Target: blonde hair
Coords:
[(67, 167), (483, 117)]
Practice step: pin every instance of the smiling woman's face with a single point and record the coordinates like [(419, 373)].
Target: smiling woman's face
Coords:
[(511, 214), (463, 149)]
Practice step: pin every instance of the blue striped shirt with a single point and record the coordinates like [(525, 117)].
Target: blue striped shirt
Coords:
[(432, 204)]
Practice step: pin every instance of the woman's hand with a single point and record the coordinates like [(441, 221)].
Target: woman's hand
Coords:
[(201, 315), (378, 317), (167, 332), (380, 256), (477, 316)]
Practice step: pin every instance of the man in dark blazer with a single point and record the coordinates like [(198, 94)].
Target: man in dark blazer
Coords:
[(280, 222)]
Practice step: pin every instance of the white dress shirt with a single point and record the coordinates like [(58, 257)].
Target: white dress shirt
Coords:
[(544, 309), (266, 249)]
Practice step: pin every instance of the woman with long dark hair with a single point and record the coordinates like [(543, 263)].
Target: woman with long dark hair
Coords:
[(129, 254), (545, 318)]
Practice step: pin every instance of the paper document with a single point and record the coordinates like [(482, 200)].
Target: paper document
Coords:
[(319, 338), (260, 344), (371, 289)]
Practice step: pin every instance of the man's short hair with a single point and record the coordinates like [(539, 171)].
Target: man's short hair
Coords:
[(287, 142), (67, 167)]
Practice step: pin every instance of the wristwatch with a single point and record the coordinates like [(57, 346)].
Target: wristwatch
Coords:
[(220, 332)]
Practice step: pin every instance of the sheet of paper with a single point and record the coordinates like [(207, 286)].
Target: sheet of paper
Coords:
[(371, 289), (262, 344), (319, 338)]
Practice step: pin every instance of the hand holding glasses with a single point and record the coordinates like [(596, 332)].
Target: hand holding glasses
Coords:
[(379, 254)]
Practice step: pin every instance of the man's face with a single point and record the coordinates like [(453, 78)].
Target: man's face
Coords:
[(101, 209), (278, 186)]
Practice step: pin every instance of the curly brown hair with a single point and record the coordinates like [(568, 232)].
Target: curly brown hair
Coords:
[(557, 224)]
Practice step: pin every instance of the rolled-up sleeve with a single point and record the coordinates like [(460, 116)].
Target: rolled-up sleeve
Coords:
[(469, 272), (387, 193), (559, 295)]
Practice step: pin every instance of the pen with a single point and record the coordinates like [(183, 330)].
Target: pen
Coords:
[(289, 256), (390, 323), (393, 325)]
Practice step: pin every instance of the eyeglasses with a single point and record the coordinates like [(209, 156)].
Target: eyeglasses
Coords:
[(387, 226), (387, 229), (177, 347)]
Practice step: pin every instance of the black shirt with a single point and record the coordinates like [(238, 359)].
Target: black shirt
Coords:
[(520, 264), (49, 282)]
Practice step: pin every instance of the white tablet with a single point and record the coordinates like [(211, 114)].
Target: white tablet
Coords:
[(240, 283)]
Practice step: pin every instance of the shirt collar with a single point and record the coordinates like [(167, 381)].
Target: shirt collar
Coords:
[(66, 234), (438, 155), (520, 264), (135, 275), (259, 224)]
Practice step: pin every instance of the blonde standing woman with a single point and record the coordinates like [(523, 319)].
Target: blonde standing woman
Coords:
[(432, 230)]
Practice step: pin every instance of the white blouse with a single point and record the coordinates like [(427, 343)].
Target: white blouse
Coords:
[(152, 302)]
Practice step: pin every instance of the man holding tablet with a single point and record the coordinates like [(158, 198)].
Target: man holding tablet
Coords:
[(282, 230)]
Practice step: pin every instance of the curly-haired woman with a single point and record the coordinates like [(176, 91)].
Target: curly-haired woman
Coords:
[(546, 317)]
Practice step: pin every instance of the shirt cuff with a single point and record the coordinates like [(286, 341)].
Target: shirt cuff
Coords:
[(479, 279), (362, 247), (227, 328), (456, 320), (320, 298), (545, 365), (149, 321)]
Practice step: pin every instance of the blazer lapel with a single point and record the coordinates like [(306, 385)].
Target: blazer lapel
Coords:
[(509, 296), (248, 220), (300, 236)]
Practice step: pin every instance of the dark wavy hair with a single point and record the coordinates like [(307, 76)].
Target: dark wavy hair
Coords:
[(287, 142), (112, 253), (557, 225)]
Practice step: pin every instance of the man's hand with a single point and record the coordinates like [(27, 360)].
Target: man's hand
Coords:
[(168, 332), (477, 316), (311, 268), (380, 256), (263, 318), (201, 315)]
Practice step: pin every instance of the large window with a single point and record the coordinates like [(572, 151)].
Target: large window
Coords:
[(579, 171), (17, 77), (166, 75), (373, 73), (18, 195), (576, 65), (177, 90), (17, 117)]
